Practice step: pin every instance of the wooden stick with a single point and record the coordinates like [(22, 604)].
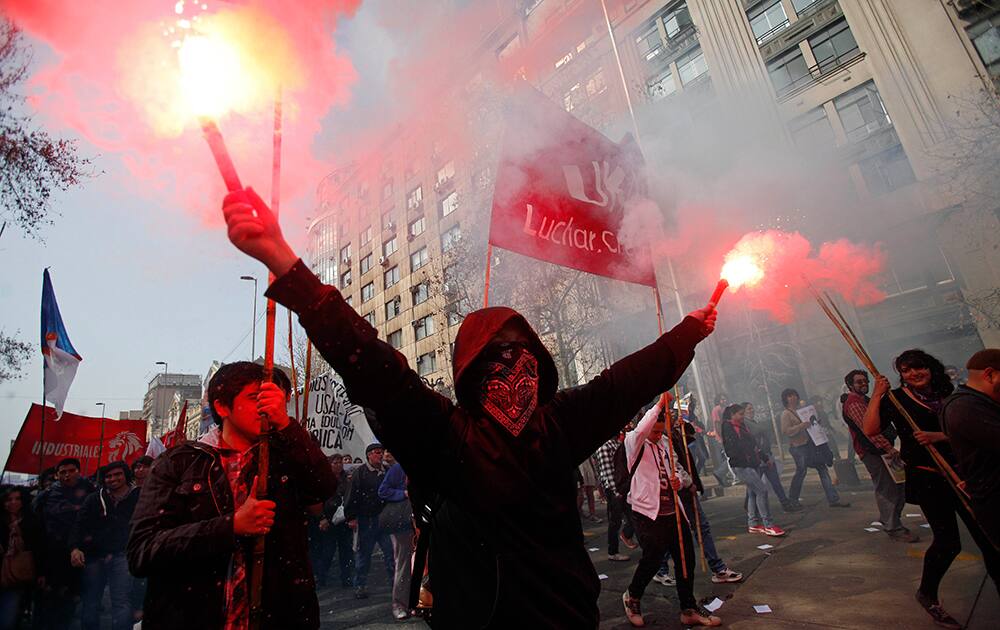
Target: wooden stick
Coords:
[(694, 491), (830, 308), (486, 278), (664, 403), (291, 361), (308, 378)]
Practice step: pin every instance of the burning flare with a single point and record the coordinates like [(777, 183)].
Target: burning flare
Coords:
[(741, 270)]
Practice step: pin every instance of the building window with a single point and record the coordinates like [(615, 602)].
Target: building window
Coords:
[(349, 300), (370, 318), (345, 279), (421, 293), (345, 254), (450, 237), (418, 259), (389, 247), (649, 43), (391, 276), (415, 198), (812, 130), (887, 171), (366, 262), (367, 292), (426, 364), (392, 308), (662, 87), (417, 227), (802, 5), (789, 71), (596, 83), (449, 204), (454, 315), (862, 112), (691, 66), (677, 21), (833, 46), (985, 36), (395, 339), (388, 220), (423, 327), (445, 175), (366, 235), (768, 21), (573, 98)]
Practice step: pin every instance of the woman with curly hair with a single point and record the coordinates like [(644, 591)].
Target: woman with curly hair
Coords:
[(924, 385)]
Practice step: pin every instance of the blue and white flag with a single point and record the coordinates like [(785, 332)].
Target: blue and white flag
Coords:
[(61, 359)]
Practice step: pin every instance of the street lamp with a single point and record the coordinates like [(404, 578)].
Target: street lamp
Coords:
[(253, 328), (100, 446), (159, 398)]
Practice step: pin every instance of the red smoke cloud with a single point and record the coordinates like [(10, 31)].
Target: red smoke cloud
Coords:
[(790, 267), (113, 80)]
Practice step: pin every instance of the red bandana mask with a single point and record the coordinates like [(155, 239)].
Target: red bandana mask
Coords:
[(509, 390)]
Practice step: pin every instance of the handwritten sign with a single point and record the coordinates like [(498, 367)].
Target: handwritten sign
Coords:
[(338, 424)]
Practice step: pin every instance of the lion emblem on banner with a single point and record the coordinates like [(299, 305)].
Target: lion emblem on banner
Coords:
[(123, 446)]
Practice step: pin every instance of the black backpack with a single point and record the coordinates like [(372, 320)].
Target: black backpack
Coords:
[(620, 470)]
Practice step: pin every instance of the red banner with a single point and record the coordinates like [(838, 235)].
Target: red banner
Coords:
[(75, 436), (561, 193)]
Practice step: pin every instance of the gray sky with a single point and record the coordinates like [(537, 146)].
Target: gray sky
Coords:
[(139, 282)]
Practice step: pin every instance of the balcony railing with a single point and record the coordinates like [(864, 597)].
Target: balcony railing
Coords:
[(771, 33), (817, 73)]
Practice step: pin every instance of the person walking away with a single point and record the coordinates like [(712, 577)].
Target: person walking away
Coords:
[(329, 535), (972, 421), (805, 452), (654, 511), (20, 546), (98, 547), (620, 527), (889, 495), (744, 458), (361, 510), (198, 517), (923, 388), (397, 519), (506, 545), (769, 465), (59, 583), (588, 484), (720, 464)]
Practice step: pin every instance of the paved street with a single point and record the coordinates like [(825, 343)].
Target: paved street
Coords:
[(827, 573)]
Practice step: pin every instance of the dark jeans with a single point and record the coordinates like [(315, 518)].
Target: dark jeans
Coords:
[(657, 538), (369, 535), (618, 512), (715, 563), (799, 454), (720, 463), (54, 609), (940, 514), (109, 571), (323, 546), (771, 472), (11, 601), (699, 453)]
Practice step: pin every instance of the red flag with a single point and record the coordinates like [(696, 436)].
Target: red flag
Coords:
[(561, 192), (75, 436), (178, 435)]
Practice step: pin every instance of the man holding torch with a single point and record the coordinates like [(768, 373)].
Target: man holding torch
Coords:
[(506, 542)]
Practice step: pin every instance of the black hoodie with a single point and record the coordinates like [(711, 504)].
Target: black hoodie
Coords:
[(507, 546)]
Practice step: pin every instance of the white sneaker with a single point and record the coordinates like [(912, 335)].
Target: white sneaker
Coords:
[(726, 575), (632, 610), (665, 579)]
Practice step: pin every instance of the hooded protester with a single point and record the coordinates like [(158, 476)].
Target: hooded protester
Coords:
[(506, 545)]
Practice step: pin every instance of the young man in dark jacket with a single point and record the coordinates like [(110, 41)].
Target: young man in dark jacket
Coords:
[(98, 542), (506, 541), (194, 528), (57, 508), (971, 418), (361, 510)]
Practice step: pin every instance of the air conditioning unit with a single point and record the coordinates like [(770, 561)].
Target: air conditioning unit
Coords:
[(347, 261), (409, 237), (389, 225), (420, 359), (382, 260)]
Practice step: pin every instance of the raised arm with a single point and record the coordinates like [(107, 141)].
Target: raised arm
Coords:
[(412, 417), (593, 413)]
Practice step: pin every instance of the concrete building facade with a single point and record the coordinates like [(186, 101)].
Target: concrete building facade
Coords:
[(159, 398), (879, 88)]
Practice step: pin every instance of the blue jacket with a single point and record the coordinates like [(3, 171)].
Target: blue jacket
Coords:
[(393, 488)]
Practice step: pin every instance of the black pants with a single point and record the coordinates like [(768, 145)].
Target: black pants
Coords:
[(940, 513), (618, 512), (658, 537)]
